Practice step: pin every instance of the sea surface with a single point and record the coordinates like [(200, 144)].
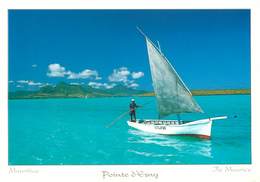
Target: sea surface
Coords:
[(73, 131)]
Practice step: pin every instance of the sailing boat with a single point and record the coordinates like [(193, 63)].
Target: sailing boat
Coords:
[(173, 97)]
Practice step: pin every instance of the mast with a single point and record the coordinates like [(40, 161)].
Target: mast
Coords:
[(141, 31), (159, 47)]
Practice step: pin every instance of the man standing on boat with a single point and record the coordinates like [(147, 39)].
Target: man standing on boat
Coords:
[(133, 107)]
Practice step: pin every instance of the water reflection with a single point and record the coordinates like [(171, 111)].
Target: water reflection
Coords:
[(170, 146)]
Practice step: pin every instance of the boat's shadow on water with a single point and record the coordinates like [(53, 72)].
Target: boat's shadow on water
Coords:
[(169, 146)]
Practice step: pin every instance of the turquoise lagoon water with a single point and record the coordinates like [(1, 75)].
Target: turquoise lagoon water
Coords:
[(72, 131)]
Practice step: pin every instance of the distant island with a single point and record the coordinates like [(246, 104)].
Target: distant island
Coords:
[(212, 92), (64, 90)]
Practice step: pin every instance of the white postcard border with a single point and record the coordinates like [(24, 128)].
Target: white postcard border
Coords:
[(127, 172)]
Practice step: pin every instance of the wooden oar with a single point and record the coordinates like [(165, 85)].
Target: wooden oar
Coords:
[(122, 115), (115, 120)]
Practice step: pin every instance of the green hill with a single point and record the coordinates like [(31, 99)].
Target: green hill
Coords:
[(64, 90)]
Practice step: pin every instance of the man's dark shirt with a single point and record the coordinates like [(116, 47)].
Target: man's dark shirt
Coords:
[(132, 106)]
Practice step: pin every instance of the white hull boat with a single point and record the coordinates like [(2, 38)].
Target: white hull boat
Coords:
[(173, 97), (199, 128)]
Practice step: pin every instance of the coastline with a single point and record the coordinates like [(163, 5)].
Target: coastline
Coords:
[(12, 96), (213, 92)]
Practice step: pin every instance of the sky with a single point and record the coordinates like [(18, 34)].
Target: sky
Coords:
[(210, 49)]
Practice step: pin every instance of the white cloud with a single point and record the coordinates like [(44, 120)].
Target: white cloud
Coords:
[(101, 85), (28, 82), (34, 65), (119, 75), (136, 75), (87, 73), (56, 70), (23, 81), (133, 85), (76, 83), (32, 83), (10, 81), (124, 75), (45, 84), (19, 86), (109, 86)]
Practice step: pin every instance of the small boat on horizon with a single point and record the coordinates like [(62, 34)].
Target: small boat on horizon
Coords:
[(173, 97)]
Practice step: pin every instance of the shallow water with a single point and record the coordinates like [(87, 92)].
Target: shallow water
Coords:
[(73, 131)]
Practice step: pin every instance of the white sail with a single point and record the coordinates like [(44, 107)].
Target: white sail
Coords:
[(173, 97)]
